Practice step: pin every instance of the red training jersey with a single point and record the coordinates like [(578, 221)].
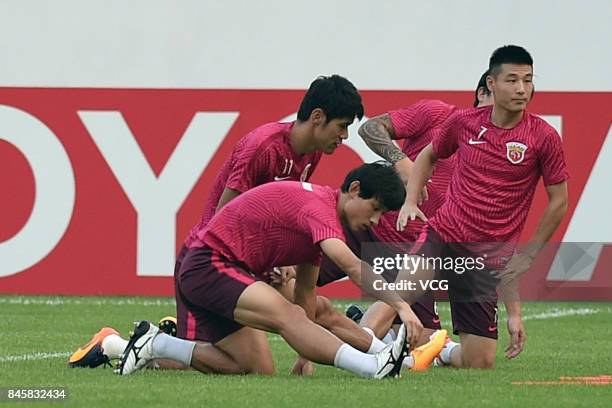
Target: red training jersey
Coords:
[(262, 156), (496, 174), (276, 224)]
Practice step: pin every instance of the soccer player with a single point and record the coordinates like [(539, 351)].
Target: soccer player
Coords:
[(502, 151), (286, 223), (416, 125), (287, 151)]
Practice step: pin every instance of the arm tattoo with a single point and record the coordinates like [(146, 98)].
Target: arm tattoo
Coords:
[(376, 135)]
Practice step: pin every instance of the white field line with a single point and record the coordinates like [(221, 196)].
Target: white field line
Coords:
[(555, 313), (60, 301), (33, 356)]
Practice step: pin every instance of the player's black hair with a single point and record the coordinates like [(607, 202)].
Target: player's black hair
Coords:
[(379, 180), (508, 54), (335, 95), (482, 83)]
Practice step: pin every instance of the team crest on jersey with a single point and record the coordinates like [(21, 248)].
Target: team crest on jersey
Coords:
[(515, 152)]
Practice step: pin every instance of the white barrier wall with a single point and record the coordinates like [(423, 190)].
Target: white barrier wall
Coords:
[(274, 44)]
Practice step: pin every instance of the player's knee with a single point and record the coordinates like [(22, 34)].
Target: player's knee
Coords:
[(482, 361), (297, 312), (325, 311), (487, 362), (256, 358), (324, 305), (264, 366)]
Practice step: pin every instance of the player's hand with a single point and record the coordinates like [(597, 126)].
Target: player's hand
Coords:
[(518, 337), (414, 327), (302, 367), (518, 265), (279, 276), (408, 212)]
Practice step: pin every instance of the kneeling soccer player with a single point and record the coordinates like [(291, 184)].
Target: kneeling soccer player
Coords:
[(285, 223)]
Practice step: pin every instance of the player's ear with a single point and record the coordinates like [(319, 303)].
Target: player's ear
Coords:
[(481, 94), (354, 188), (490, 81), (317, 116)]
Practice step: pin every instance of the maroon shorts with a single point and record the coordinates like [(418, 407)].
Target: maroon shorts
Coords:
[(427, 311), (330, 272), (472, 296), (207, 288)]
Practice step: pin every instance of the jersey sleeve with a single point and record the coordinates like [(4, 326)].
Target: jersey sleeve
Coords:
[(253, 166), (445, 143), (417, 118), (552, 159)]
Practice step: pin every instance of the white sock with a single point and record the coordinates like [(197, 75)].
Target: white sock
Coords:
[(165, 346), (353, 360), (408, 362), (376, 344), (446, 352), (113, 346), (389, 337)]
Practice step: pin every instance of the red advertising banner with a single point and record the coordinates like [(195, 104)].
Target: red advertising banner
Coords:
[(100, 186)]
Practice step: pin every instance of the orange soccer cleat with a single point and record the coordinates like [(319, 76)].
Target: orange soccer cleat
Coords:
[(91, 354)]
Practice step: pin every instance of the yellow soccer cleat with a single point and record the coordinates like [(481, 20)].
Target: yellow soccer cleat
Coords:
[(168, 325)]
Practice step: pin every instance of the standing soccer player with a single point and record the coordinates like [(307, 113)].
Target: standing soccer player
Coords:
[(276, 224), (502, 151)]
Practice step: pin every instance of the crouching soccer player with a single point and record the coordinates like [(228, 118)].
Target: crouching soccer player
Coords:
[(286, 223)]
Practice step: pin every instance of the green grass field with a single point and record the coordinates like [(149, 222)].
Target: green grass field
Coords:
[(38, 333)]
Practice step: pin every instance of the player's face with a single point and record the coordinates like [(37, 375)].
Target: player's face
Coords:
[(361, 213), (329, 135), (512, 87)]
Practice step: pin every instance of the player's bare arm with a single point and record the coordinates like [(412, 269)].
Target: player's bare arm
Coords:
[(305, 296), (342, 256), (305, 288), (553, 214), (516, 329), (227, 196), (421, 172), (378, 133)]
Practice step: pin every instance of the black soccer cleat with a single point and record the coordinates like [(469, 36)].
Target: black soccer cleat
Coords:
[(355, 312)]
